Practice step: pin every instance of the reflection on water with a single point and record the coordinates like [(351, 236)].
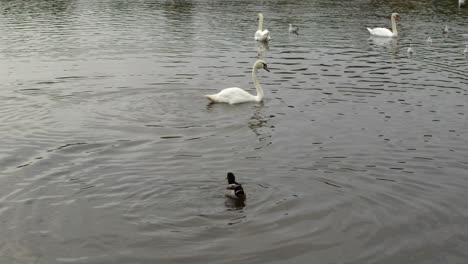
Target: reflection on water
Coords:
[(112, 154)]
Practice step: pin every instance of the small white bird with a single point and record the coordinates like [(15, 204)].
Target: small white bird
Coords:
[(410, 50), (461, 2), (429, 41), (466, 50), (446, 29), (293, 29)]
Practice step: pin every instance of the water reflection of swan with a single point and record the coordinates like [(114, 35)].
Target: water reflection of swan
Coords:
[(235, 95), (384, 32), (257, 121), (262, 46), (261, 35)]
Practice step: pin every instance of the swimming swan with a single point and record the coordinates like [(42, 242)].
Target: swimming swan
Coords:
[(261, 35), (236, 95), (383, 32), (234, 190)]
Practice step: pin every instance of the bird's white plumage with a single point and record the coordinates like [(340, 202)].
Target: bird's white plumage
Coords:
[(233, 95), (380, 32)]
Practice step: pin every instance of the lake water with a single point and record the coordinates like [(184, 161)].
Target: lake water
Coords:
[(112, 154)]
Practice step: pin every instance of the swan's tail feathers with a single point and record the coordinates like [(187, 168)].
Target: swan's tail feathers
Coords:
[(370, 30)]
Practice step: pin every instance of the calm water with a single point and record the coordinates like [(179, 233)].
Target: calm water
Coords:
[(111, 154)]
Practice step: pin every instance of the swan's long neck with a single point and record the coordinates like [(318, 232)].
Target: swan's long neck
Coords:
[(394, 28), (259, 95), (260, 23)]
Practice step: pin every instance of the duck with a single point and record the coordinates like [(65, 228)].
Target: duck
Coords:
[(260, 34), (384, 32), (293, 29), (234, 189), (235, 95)]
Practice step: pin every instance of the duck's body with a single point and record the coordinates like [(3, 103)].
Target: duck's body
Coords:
[(260, 34), (384, 32), (293, 29), (235, 95), (234, 190)]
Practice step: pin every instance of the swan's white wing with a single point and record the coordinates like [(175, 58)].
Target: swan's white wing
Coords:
[(232, 95), (380, 32)]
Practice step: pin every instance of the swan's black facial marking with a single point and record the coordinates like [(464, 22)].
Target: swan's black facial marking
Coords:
[(265, 67)]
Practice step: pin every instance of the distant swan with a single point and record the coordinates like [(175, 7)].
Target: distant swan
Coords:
[(383, 32), (293, 29), (261, 35), (446, 29), (236, 95), (466, 50)]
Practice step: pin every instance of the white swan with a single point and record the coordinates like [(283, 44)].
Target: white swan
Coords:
[(293, 29), (236, 95), (383, 32), (466, 50), (261, 35)]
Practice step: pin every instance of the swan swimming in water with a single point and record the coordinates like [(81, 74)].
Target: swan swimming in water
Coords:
[(261, 35), (466, 50), (234, 190), (446, 29), (383, 32), (236, 95), (293, 29)]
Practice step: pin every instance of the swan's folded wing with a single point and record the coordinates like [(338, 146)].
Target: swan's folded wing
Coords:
[(384, 32)]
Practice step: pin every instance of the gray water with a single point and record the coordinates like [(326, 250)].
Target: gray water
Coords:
[(111, 153)]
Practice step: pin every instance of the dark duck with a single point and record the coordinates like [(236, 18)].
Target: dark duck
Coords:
[(234, 190)]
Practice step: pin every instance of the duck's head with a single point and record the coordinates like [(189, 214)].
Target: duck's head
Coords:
[(231, 178), (261, 64), (396, 16)]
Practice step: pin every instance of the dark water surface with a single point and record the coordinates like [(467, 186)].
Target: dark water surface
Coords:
[(111, 154)]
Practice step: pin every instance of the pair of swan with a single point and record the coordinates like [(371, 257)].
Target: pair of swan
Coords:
[(235, 95), (384, 32)]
